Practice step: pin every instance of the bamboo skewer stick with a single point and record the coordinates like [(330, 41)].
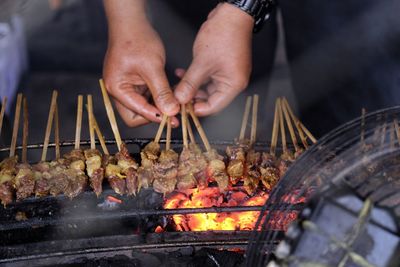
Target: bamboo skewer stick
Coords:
[(25, 131), (78, 127), (190, 131), (2, 112), (184, 125), (392, 135), (307, 132), (160, 128), (91, 124), (168, 142), (290, 126), (245, 118), (199, 128), (56, 132), (99, 134), (16, 125), (282, 126), (49, 124), (296, 121), (275, 129), (110, 114), (253, 132)]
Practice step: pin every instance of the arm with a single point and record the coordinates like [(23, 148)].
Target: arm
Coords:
[(221, 60), (134, 65)]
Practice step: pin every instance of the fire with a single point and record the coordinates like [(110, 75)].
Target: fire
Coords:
[(211, 197)]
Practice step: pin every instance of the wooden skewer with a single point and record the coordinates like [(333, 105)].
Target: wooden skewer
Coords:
[(308, 133), (110, 114), (2, 112), (160, 128), (245, 118), (190, 131), (56, 132), (396, 126), (253, 133), (275, 129), (49, 124), (296, 121), (16, 125), (78, 127), (100, 136), (25, 132), (91, 124), (290, 126), (282, 126), (392, 135), (184, 125), (199, 128), (168, 142)]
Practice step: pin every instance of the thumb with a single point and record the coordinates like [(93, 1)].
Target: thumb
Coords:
[(187, 88)]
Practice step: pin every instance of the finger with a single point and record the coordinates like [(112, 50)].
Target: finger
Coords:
[(179, 72), (163, 96), (201, 95), (129, 117), (222, 96), (190, 83), (127, 96)]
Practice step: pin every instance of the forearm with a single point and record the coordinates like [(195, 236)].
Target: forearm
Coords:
[(124, 17)]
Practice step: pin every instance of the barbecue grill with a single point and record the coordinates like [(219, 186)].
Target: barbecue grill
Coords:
[(86, 230), (353, 219)]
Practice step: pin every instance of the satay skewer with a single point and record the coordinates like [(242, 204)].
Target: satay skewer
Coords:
[(16, 125), (275, 130), (392, 135), (2, 112), (290, 126), (78, 128), (184, 126), (49, 125), (307, 132), (168, 141), (190, 131), (110, 114), (25, 131), (99, 134), (296, 121), (245, 118), (56, 132), (282, 127), (253, 132), (160, 129), (199, 128), (91, 124)]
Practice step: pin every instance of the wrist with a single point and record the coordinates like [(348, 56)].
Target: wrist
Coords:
[(234, 16)]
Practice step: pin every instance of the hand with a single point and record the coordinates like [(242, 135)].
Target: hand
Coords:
[(134, 67), (221, 61)]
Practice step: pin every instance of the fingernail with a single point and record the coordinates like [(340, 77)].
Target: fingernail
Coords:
[(158, 115)]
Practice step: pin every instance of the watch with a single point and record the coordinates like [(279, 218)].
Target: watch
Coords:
[(260, 10)]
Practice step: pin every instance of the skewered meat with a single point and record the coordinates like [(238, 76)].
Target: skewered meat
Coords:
[(128, 168), (75, 173), (42, 178), (115, 177), (149, 156), (95, 170), (216, 170), (237, 157), (24, 182), (7, 174), (59, 180), (165, 172), (269, 172), (252, 175), (191, 169), (285, 161)]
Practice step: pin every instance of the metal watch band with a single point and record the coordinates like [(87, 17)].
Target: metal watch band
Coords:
[(258, 9)]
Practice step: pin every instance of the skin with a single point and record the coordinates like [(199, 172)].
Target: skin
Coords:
[(134, 65)]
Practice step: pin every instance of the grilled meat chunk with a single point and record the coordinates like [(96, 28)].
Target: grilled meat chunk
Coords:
[(149, 156), (216, 170), (269, 171), (284, 163), (252, 174), (165, 172), (237, 159), (75, 173), (192, 168), (94, 170), (7, 174), (24, 182), (42, 178)]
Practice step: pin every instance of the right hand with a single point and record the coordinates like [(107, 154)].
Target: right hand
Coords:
[(134, 68)]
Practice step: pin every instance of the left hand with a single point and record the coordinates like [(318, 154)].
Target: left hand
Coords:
[(221, 61)]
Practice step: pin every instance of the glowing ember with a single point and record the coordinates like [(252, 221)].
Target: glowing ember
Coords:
[(211, 197)]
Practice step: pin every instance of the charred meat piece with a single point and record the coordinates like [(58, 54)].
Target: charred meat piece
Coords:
[(42, 178), (75, 173), (216, 170), (7, 174), (115, 177), (149, 156), (59, 180), (269, 171), (24, 182), (165, 172), (94, 170), (129, 169), (237, 158), (285, 161), (192, 167), (252, 174)]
